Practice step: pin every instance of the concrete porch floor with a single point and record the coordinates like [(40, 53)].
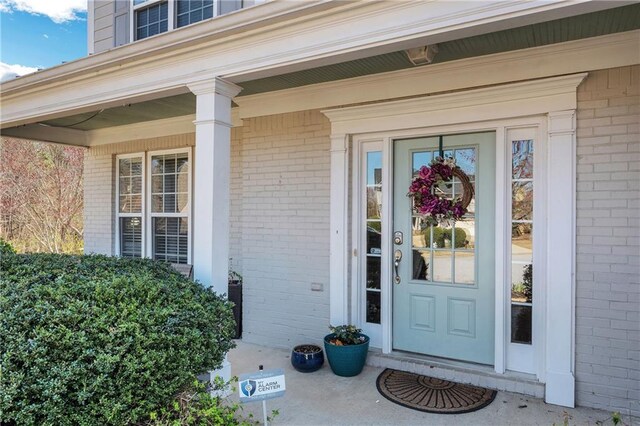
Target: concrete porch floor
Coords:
[(322, 398)]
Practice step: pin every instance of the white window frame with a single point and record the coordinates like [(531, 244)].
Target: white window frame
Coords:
[(146, 214), (119, 214)]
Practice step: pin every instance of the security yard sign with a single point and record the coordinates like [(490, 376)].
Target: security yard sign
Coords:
[(262, 385)]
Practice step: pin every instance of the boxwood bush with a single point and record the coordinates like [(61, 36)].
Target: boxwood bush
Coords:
[(100, 340)]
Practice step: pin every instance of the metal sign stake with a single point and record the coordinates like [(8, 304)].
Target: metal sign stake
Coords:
[(264, 403)]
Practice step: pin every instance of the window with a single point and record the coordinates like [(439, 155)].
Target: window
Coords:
[(151, 17), (521, 241), (130, 171), (188, 12), (154, 206), (373, 232)]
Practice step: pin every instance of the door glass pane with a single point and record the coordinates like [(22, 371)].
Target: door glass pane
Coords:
[(522, 241), (373, 307), (521, 324), (373, 272), (522, 159), (372, 219), (522, 205), (420, 261), (521, 283), (442, 265), (465, 267), (421, 159)]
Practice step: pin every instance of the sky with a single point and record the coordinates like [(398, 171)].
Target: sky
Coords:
[(40, 34)]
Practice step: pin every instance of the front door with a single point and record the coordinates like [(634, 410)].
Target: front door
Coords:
[(443, 303)]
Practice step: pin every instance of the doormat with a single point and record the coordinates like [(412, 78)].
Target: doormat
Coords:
[(432, 395)]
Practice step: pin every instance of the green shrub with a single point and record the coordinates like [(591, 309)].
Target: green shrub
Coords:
[(99, 340), (441, 234), (6, 248)]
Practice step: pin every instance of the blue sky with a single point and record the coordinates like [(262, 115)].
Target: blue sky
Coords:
[(40, 34)]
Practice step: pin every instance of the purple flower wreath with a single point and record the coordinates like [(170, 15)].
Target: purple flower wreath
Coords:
[(434, 208)]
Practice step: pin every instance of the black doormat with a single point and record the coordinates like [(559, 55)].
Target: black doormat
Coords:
[(432, 395)]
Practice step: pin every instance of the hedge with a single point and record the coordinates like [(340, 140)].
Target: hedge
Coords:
[(99, 340)]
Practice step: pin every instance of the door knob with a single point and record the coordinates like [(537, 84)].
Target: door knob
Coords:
[(397, 257)]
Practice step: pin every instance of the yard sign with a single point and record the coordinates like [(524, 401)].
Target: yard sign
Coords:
[(262, 385)]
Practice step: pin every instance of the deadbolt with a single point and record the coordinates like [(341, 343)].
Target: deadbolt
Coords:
[(397, 238)]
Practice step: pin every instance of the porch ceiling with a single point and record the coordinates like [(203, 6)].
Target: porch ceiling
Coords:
[(594, 24)]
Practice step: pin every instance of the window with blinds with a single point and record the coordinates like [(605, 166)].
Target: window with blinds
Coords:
[(154, 204), (130, 175)]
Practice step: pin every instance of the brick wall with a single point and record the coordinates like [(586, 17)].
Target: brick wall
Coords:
[(98, 202), (608, 241), (285, 228)]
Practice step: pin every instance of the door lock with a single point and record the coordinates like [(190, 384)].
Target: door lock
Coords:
[(397, 238), (397, 257)]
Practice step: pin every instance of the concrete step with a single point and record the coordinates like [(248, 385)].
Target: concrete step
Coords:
[(456, 371)]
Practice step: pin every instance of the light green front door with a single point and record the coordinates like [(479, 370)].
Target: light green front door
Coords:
[(443, 304)]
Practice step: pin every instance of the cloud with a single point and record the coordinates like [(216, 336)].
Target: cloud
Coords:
[(45, 35), (8, 72), (58, 11)]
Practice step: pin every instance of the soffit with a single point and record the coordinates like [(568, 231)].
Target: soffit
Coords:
[(574, 28)]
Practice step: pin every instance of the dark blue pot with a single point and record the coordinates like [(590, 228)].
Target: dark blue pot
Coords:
[(348, 360), (307, 358)]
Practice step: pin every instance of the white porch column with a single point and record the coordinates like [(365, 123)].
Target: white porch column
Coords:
[(338, 291), (561, 214), (211, 194), (211, 181)]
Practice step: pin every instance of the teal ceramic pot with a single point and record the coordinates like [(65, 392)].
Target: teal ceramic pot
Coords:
[(346, 361)]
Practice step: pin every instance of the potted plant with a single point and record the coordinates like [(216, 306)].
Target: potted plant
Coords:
[(346, 348), (307, 358)]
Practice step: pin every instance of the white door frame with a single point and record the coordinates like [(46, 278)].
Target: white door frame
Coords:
[(499, 108)]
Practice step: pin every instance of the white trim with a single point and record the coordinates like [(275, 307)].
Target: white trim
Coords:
[(497, 102), (339, 256), (560, 274), (508, 106), (501, 292)]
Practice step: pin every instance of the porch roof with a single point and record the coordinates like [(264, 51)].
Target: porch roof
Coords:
[(179, 102)]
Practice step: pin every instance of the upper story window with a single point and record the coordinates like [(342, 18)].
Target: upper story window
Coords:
[(151, 20), (151, 17)]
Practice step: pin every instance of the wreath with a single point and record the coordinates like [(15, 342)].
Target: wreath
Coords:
[(433, 207)]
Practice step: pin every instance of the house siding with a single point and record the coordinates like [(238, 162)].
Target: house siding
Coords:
[(285, 228), (608, 241), (103, 25)]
